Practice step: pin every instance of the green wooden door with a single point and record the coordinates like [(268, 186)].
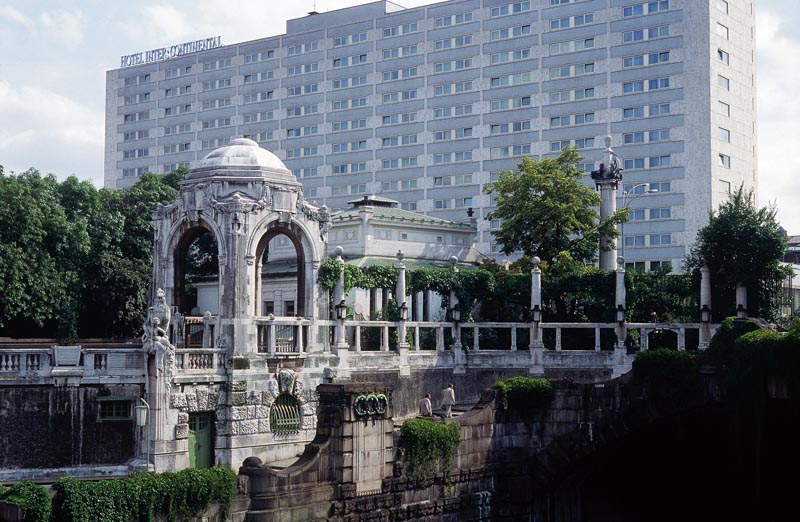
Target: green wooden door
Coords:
[(201, 451)]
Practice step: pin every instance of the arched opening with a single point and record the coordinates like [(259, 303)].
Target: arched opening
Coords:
[(662, 338), (280, 274), (284, 415), (196, 284)]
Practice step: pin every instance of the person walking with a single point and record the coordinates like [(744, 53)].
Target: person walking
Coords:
[(448, 399), (425, 406)]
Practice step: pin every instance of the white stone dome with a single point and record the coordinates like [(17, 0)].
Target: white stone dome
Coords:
[(242, 152)]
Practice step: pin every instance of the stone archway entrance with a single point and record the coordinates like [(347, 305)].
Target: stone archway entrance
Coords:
[(263, 256)]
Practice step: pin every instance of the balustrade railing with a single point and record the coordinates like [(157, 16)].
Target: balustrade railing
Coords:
[(203, 360), (282, 336)]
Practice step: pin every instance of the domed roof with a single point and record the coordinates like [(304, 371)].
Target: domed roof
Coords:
[(242, 152)]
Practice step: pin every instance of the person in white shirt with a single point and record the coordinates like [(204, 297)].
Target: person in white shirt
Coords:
[(425, 407), (448, 399)]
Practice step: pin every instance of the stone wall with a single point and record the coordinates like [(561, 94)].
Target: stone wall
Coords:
[(59, 427)]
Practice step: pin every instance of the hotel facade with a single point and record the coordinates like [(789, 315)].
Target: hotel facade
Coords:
[(427, 105)]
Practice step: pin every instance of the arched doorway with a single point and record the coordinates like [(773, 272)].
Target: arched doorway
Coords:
[(196, 284), (280, 274)]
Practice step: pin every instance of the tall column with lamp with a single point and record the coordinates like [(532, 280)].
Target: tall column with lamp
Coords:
[(622, 332), (607, 179), (400, 299), (705, 307), (142, 418), (536, 346), (340, 308)]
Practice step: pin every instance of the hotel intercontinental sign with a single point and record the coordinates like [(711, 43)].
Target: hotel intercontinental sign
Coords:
[(165, 53)]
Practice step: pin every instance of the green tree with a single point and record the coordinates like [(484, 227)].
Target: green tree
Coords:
[(41, 250), (742, 244), (546, 210)]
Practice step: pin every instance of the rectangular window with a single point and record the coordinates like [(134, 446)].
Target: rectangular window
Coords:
[(645, 8), (649, 33), (510, 32), (349, 39), (723, 31), (389, 32), (724, 134), (571, 21), (634, 241), (660, 213), (258, 57), (113, 409), (302, 48), (445, 21), (723, 57), (571, 46), (725, 186), (452, 43), (723, 82), (723, 108), (724, 161), (517, 7), (722, 5), (660, 239)]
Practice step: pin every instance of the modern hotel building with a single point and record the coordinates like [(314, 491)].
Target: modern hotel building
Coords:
[(426, 105)]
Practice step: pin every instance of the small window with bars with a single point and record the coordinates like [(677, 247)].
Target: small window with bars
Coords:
[(114, 409), (284, 416)]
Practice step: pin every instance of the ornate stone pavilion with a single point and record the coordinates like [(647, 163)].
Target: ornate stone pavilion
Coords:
[(244, 196)]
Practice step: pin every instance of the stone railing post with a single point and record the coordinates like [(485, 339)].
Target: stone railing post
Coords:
[(705, 307), (620, 351), (536, 346), (400, 299)]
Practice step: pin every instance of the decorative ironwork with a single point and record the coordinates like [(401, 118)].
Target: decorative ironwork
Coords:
[(284, 415), (372, 405)]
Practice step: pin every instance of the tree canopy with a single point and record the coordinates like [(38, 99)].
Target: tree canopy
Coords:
[(75, 260), (547, 211), (742, 244)]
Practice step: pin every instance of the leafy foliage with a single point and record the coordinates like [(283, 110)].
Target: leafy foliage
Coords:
[(34, 499), (659, 294), (671, 376), (429, 446), (91, 250), (546, 210), (742, 244), (523, 394), (143, 496)]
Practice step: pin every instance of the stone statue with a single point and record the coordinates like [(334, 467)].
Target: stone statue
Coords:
[(155, 340)]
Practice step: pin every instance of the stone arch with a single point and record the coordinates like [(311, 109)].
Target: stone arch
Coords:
[(305, 251), (181, 238)]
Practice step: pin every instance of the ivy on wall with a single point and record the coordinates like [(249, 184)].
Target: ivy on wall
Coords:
[(34, 499), (428, 446), (143, 496), (523, 394)]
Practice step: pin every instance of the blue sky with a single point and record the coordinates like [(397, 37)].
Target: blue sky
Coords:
[(54, 55)]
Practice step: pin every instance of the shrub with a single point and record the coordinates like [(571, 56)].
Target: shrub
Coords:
[(523, 394), (428, 446), (34, 499), (671, 377), (141, 496)]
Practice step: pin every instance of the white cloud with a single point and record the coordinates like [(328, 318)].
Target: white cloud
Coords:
[(16, 16), (168, 22), (778, 114), (49, 131), (67, 27)]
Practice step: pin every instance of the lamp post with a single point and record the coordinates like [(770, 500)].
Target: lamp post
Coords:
[(142, 416), (629, 195)]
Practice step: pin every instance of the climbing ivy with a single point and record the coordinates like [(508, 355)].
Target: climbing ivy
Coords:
[(469, 285), (143, 496), (428, 446), (523, 394), (671, 377), (34, 499)]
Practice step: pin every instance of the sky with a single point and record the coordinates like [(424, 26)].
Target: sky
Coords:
[(54, 55)]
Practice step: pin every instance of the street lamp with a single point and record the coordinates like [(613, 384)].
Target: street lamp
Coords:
[(705, 314), (403, 309), (631, 192), (142, 415), (620, 313), (455, 313), (741, 312), (341, 311), (536, 314)]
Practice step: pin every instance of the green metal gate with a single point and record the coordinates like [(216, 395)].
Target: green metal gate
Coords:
[(201, 449)]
